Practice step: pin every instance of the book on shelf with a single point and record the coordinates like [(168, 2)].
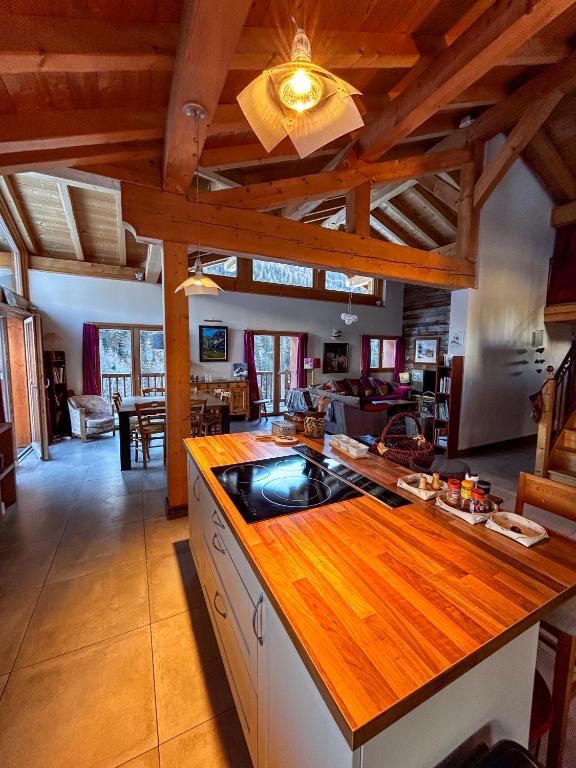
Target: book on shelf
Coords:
[(444, 385), (442, 411)]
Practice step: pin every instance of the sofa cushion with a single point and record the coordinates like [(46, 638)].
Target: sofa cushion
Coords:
[(381, 387), (353, 387), (105, 422), (367, 387), (342, 386), (400, 393)]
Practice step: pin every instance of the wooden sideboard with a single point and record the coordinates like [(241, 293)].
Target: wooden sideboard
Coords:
[(239, 400)]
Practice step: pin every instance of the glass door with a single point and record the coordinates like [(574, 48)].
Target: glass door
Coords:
[(275, 357), (36, 396)]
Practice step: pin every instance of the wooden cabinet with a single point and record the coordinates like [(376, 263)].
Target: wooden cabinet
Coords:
[(239, 402), (7, 468)]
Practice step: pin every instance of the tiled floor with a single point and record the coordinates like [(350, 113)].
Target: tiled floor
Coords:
[(107, 657)]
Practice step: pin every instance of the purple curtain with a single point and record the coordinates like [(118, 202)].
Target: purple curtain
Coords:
[(301, 352), (90, 360), (252, 378), (399, 359), (364, 356)]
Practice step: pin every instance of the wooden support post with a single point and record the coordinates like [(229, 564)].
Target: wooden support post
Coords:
[(177, 356), (545, 428), (358, 210), (468, 215)]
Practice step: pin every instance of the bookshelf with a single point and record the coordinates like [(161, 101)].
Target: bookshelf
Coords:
[(57, 394), (448, 394)]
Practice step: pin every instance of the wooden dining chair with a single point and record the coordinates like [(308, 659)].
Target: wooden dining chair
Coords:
[(135, 437), (152, 424), (197, 417), (262, 404), (153, 391), (558, 628)]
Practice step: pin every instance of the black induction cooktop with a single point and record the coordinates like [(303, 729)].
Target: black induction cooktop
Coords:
[(307, 479)]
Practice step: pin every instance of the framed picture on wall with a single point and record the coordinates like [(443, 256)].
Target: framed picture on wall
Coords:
[(213, 341), (425, 351), (335, 358)]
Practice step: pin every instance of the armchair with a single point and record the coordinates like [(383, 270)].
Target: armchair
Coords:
[(90, 415)]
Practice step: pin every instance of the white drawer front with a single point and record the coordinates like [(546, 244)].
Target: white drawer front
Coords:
[(238, 557), (242, 688), (241, 609)]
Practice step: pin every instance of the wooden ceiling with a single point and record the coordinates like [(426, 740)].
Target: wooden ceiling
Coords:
[(98, 87)]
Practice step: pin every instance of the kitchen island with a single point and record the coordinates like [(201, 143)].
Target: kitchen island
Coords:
[(358, 635)]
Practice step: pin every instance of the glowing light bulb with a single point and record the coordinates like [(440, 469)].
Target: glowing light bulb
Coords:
[(300, 91)]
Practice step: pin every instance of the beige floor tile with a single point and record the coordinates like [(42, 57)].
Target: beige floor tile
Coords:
[(191, 685), (84, 552), (16, 606), (149, 759), (26, 565), (162, 534), (92, 707), (219, 743), (154, 504), (101, 513), (74, 613), (173, 583), (21, 528), (3, 681)]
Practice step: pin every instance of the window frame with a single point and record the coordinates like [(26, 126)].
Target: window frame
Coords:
[(380, 339)]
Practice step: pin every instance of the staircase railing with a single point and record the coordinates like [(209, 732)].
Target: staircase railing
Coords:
[(558, 399)]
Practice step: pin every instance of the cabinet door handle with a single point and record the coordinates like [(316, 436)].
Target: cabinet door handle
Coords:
[(255, 620), (217, 520), (216, 544), (197, 497), (218, 610)]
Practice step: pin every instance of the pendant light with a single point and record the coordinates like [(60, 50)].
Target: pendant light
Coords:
[(198, 283), (301, 100), (348, 317)]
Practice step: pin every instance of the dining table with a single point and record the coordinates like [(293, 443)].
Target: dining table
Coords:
[(128, 409)]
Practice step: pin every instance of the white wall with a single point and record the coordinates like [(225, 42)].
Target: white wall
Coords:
[(68, 301), (240, 311), (516, 242)]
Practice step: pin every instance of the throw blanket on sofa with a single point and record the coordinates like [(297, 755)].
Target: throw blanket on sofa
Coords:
[(294, 399)]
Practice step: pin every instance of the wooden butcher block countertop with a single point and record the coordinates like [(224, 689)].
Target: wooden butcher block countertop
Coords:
[(387, 606)]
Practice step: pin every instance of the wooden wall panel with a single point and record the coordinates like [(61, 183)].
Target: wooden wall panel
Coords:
[(426, 313), (19, 382)]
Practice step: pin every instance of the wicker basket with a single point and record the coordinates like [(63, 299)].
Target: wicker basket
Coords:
[(314, 424), (399, 447)]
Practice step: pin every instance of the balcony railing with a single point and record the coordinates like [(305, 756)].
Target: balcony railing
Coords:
[(122, 383), (266, 385)]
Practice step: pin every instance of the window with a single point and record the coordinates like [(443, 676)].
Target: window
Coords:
[(282, 274), (224, 267), (131, 358), (382, 353), (338, 281)]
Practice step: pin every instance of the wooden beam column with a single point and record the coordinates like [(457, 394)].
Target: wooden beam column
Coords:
[(177, 357), (468, 215), (358, 210)]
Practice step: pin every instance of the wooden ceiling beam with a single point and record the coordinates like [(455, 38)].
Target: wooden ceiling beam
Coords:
[(66, 200), (121, 234), (517, 139), (547, 154), (72, 156), (12, 200), (358, 210), (393, 230), (562, 215), (399, 208), (259, 235), (84, 268), (209, 34), (441, 189), (30, 44), (153, 263), (433, 204), (247, 155), (490, 40), (75, 128), (271, 195)]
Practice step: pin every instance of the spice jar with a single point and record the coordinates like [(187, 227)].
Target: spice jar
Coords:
[(466, 490), (453, 494), (477, 500), (473, 477), (485, 485), (423, 483), (436, 484)]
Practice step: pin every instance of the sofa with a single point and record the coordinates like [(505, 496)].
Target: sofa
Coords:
[(90, 415), (365, 413)]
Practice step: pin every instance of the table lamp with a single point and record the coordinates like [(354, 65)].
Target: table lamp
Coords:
[(310, 364)]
